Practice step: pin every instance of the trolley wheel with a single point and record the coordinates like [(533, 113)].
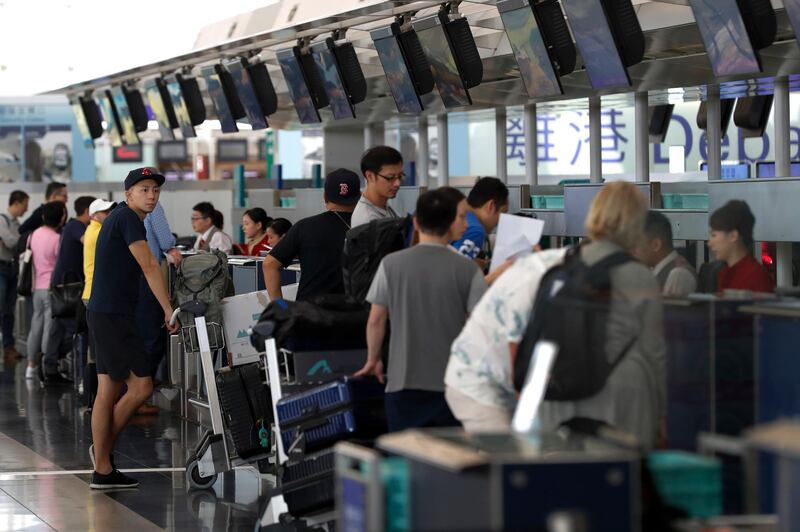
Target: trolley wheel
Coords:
[(193, 478)]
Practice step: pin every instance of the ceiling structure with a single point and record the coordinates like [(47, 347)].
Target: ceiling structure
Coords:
[(675, 67)]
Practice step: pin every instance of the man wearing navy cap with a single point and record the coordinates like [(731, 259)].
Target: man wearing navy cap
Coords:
[(121, 258), (317, 242)]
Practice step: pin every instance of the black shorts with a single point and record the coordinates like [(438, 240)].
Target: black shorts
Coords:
[(119, 349)]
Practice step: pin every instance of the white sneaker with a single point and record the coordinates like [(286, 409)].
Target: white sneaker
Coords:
[(31, 373)]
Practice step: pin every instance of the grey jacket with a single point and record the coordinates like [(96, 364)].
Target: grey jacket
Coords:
[(634, 397)]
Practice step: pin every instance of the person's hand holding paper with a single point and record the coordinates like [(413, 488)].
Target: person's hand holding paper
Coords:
[(516, 235)]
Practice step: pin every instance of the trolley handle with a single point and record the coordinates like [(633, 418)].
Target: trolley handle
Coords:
[(174, 318)]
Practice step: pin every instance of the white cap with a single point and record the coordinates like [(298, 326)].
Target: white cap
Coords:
[(100, 205)]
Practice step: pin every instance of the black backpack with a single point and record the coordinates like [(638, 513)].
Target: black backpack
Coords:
[(364, 248), (571, 309)]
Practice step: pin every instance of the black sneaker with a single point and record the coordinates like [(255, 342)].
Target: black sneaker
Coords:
[(55, 378), (114, 480)]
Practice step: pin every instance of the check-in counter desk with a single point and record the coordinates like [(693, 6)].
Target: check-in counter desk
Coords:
[(777, 354), (710, 366)]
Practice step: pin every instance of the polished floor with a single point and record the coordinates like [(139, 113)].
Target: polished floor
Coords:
[(45, 470)]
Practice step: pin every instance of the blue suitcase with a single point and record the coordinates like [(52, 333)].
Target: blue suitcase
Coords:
[(347, 408)]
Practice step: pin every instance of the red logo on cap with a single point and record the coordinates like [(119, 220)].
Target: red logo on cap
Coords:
[(145, 171), (343, 189)]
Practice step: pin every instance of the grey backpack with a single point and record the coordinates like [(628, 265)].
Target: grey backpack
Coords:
[(204, 277)]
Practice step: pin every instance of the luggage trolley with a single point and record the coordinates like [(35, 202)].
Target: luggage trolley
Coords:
[(211, 456)]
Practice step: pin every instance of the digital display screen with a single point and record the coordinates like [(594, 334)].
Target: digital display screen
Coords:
[(767, 169), (219, 101), (596, 44), (731, 171), (83, 126), (397, 75), (179, 106), (725, 37), (127, 154), (247, 94), (233, 150), (156, 102), (298, 89), (172, 151), (792, 8), (526, 40), (129, 135), (112, 128), (332, 82), (443, 64)]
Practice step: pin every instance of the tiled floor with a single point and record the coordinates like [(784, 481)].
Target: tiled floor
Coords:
[(44, 470)]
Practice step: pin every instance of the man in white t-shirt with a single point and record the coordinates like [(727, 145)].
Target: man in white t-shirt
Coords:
[(382, 167)]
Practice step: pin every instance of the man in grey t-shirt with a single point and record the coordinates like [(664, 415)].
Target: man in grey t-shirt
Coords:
[(428, 292), (382, 167)]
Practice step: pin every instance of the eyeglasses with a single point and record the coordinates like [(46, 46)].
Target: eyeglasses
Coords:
[(390, 178), (198, 218)]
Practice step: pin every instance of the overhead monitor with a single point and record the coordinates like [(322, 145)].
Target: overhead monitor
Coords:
[(172, 151), (433, 37), (246, 92), (219, 100), (395, 66), (725, 37), (530, 51), (180, 107), (767, 169), (596, 43), (161, 104), (332, 82), (298, 86), (127, 128), (88, 119), (232, 150), (110, 117)]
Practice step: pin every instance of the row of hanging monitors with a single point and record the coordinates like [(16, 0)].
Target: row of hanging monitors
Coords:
[(434, 51)]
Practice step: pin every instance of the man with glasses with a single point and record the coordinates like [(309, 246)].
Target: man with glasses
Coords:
[(382, 167), (209, 236)]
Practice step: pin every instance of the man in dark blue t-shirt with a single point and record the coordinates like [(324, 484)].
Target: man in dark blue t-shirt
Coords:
[(121, 258)]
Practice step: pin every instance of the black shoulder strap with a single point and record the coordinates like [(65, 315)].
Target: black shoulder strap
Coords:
[(615, 259)]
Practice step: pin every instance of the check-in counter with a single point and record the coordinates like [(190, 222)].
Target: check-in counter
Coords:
[(710, 378), (777, 326)]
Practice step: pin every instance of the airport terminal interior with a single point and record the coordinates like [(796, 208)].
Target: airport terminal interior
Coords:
[(402, 265)]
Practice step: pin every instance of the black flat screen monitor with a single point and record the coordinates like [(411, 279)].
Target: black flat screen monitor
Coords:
[(129, 135), (530, 51), (247, 94), (298, 86), (218, 99), (232, 150), (180, 108), (596, 42), (396, 69), (331, 78), (172, 151), (152, 90), (110, 116), (80, 119), (725, 37), (131, 153), (437, 49)]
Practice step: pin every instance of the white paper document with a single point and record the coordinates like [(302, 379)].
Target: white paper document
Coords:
[(516, 235)]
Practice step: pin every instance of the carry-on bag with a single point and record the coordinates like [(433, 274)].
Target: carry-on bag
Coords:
[(308, 485), (347, 408), (248, 426)]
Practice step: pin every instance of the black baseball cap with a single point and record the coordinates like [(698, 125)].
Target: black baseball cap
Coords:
[(140, 174), (343, 187)]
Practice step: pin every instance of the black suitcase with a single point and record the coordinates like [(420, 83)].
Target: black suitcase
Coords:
[(237, 412), (347, 408), (258, 395), (308, 485)]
